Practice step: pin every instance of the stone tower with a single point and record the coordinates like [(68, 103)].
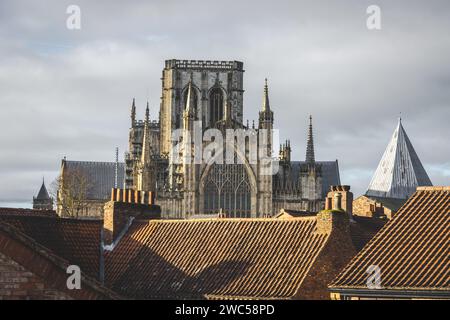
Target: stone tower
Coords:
[(143, 146), (213, 84), (236, 175), (265, 163)]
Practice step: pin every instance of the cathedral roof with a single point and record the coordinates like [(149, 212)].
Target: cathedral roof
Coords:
[(400, 170), (101, 176), (330, 173), (411, 250)]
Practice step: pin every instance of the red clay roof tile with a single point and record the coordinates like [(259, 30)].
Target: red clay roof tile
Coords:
[(411, 249)]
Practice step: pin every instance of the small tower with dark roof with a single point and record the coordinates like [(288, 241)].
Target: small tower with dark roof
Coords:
[(43, 201)]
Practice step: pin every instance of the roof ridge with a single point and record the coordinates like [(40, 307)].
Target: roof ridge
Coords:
[(310, 217), (57, 260)]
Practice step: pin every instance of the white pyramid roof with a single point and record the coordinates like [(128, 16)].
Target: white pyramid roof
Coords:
[(400, 171)]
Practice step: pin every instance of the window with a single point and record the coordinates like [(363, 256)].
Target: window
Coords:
[(215, 106), (227, 188)]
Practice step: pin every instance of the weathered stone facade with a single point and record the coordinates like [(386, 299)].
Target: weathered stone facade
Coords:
[(210, 93), (376, 207)]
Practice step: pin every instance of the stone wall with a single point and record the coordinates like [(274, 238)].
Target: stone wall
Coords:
[(366, 207)]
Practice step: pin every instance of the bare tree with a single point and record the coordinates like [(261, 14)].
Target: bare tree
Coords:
[(70, 189)]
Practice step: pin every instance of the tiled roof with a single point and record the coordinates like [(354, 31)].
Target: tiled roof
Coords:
[(77, 241), (364, 229), (27, 212), (215, 258), (44, 263), (411, 249), (100, 176)]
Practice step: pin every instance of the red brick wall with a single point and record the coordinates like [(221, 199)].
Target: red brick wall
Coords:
[(16, 282)]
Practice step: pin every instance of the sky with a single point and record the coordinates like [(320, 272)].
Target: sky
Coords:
[(67, 92)]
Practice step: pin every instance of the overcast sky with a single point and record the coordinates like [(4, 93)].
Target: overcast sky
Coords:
[(68, 92)]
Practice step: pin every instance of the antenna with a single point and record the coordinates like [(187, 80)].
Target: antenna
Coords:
[(116, 168)]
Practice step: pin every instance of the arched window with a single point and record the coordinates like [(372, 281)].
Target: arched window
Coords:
[(215, 106), (227, 188)]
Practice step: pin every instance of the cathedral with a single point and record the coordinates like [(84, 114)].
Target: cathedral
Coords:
[(200, 101)]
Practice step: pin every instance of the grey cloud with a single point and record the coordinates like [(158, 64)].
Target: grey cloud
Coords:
[(68, 92)]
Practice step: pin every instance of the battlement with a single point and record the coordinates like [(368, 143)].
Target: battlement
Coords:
[(204, 64)]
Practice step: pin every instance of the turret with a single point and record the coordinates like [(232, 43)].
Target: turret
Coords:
[(266, 115), (133, 113)]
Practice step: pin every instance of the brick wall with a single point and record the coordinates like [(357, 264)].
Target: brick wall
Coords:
[(16, 282), (30, 271), (335, 255), (117, 215)]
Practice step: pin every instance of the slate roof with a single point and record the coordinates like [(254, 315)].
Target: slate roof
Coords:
[(101, 176), (399, 171), (215, 258), (330, 174), (411, 249), (43, 193), (74, 240)]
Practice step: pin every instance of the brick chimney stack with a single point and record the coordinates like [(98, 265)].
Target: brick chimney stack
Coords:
[(340, 197), (125, 206)]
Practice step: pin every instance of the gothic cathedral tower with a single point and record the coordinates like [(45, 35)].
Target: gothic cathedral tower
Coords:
[(213, 84)]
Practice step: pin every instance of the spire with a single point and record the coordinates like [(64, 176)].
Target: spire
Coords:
[(43, 193), (133, 112), (400, 171), (310, 158), (266, 115), (147, 113), (266, 104)]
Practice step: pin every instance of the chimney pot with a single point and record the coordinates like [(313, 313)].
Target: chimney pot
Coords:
[(337, 201)]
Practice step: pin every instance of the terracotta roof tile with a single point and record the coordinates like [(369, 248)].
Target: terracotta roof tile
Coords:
[(363, 229), (27, 212), (411, 249), (44, 263), (77, 241), (216, 258)]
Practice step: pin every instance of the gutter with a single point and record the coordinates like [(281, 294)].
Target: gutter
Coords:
[(393, 293)]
